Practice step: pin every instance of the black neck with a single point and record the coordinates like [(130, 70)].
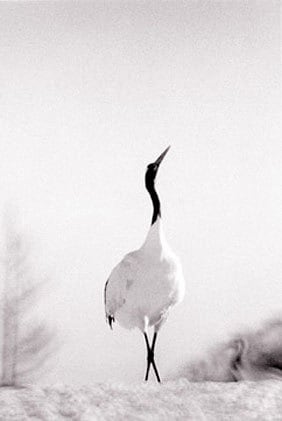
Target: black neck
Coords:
[(150, 186)]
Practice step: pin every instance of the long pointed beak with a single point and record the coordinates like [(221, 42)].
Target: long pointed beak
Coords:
[(161, 157)]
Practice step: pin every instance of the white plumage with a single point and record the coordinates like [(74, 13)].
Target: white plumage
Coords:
[(147, 282)]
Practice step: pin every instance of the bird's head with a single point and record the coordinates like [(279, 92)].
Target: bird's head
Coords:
[(152, 168)]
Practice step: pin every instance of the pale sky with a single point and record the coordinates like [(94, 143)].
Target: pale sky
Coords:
[(91, 92)]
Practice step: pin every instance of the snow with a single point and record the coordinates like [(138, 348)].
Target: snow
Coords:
[(174, 400)]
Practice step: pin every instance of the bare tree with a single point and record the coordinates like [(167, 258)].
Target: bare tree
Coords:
[(27, 343)]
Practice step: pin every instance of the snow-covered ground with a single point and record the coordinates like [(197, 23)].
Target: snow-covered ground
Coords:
[(174, 400)]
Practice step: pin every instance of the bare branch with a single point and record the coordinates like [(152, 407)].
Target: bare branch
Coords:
[(24, 350)]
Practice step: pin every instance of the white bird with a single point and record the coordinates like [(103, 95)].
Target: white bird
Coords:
[(147, 282)]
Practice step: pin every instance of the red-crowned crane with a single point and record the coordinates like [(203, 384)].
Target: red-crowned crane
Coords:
[(147, 282)]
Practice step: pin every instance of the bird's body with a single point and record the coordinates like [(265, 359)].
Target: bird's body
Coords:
[(143, 287), (145, 284)]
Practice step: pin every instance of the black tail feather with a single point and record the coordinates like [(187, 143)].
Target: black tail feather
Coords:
[(111, 320)]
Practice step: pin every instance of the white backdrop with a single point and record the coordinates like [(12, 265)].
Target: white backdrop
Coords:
[(91, 92)]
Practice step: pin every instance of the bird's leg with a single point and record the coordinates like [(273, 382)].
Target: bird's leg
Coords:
[(148, 356), (151, 357)]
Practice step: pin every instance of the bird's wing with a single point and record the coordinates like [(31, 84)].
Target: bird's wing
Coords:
[(109, 317), (116, 288)]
